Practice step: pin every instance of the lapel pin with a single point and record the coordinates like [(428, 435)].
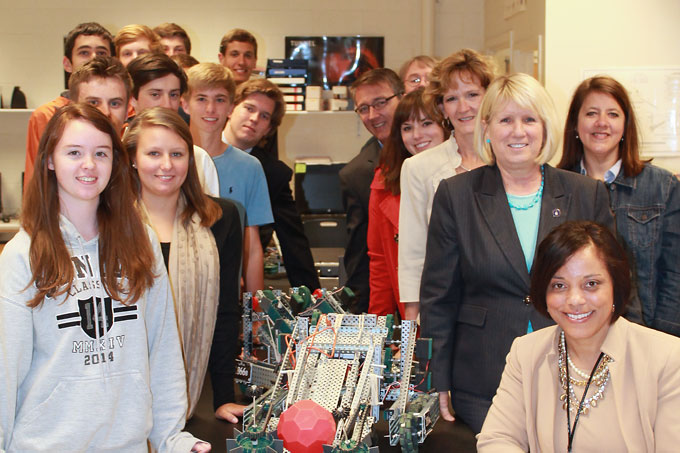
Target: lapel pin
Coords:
[(557, 212)]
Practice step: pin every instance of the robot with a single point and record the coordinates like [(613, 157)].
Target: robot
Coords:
[(301, 346)]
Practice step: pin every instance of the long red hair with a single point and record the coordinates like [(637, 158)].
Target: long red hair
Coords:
[(124, 247)]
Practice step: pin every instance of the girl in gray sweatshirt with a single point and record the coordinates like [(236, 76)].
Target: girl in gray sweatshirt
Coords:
[(90, 358)]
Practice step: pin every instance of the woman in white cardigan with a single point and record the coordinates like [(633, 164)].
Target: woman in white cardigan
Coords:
[(456, 86), (549, 399)]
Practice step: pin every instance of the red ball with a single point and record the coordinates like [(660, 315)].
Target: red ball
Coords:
[(305, 427)]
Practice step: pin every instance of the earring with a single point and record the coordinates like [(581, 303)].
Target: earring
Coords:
[(577, 137), (488, 140), (134, 165), (613, 307), (621, 139)]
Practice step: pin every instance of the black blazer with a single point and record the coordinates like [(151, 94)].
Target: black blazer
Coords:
[(475, 281), (355, 184), (297, 255)]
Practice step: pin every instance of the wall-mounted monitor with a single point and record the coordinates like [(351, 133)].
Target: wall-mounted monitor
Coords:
[(337, 60)]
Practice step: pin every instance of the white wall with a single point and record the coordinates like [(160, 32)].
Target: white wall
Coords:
[(32, 30), (458, 24), (526, 27), (12, 156), (587, 34), (31, 50)]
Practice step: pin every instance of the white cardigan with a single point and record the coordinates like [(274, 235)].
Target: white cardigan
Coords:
[(420, 177)]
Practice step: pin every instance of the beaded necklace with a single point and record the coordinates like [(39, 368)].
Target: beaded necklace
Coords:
[(536, 198), (599, 376)]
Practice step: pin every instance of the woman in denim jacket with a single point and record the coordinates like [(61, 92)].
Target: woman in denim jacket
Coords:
[(601, 140)]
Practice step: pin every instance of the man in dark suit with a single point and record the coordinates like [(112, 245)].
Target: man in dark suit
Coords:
[(297, 256), (376, 95)]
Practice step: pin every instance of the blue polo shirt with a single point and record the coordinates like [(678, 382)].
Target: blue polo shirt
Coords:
[(242, 180)]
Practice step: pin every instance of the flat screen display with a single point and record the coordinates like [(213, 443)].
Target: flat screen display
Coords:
[(317, 188), (337, 60)]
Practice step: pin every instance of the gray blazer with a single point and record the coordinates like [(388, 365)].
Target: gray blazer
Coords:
[(475, 283)]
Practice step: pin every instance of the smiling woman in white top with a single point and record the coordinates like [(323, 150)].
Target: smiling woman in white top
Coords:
[(456, 86)]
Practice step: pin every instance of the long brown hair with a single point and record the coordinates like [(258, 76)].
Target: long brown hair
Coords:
[(197, 201), (124, 247), (410, 106), (628, 148)]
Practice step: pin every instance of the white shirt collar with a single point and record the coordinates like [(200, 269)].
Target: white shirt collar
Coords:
[(610, 175), (224, 140)]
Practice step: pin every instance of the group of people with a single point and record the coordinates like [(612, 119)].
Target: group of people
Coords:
[(456, 217), (150, 186), (146, 185)]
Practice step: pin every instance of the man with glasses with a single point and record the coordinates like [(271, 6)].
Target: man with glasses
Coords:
[(415, 72), (376, 95)]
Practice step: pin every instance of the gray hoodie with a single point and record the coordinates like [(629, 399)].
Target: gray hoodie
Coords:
[(86, 373)]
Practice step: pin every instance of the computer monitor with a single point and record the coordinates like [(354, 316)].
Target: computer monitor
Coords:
[(337, 60), (317, 188)]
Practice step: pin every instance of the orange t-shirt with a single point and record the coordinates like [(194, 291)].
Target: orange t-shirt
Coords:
[(36, 125)]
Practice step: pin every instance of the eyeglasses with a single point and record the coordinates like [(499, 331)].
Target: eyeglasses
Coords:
[(377, 105), (414, 82)]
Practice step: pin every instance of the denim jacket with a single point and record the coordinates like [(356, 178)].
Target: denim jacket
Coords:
[(647, 210)]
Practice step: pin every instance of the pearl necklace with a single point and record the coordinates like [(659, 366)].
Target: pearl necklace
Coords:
[(582, 373), (600, 378), (536, 198)]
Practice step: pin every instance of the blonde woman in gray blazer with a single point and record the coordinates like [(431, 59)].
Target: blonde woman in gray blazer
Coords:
[(484, 227)]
